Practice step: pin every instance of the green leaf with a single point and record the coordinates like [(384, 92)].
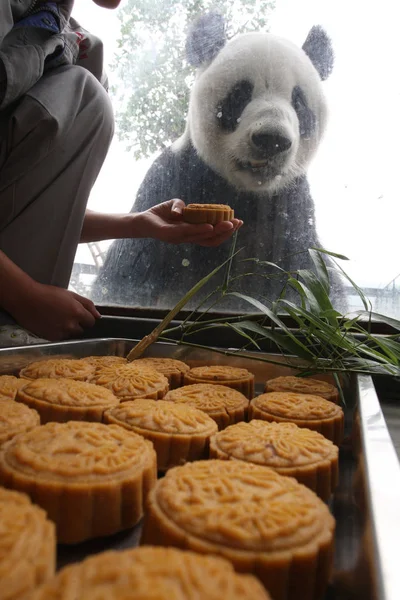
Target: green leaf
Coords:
[(315, 290), (284, 343), (320, 268), (274, 318), (364, 300), (333, 254), (394, 323)]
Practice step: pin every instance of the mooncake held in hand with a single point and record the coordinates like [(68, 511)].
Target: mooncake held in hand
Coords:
[(207, 213)]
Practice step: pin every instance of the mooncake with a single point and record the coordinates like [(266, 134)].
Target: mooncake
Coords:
[(129, 382), (207, 213), (150, 573), (179, 433), (223, 404), (27, 545), (303, 385), (9, 385), (234, 377), (16, 418), (66, 399), (290, 450), (264, 523), (305, 410), (91, 478), (104, 361), (172, 368), (56, 368)]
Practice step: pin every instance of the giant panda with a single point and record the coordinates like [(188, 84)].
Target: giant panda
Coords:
[(256, 117)]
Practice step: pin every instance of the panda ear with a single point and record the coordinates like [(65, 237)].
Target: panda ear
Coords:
[(205, 39), (318, 48)]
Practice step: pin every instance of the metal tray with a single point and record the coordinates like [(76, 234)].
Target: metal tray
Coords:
[(366, 503)]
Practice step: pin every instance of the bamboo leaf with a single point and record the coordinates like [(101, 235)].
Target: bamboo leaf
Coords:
[(280, 340), (240, 329), (394, 323), (364, 300), (333, 254), (316, 290), (152, 337), (320, 268), (264, 309), (264, 263)]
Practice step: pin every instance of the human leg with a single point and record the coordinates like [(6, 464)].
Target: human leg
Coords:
[(57, 140), (51, 151)]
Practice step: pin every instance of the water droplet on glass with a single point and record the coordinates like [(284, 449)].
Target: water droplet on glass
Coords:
[(185, 262), (219, 114)]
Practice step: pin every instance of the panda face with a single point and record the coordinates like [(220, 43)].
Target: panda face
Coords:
[(257, 112)]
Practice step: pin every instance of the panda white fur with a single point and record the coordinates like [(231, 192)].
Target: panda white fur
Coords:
[(256, 116)]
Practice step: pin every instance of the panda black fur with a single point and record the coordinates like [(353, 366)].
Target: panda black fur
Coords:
[(256, 117)]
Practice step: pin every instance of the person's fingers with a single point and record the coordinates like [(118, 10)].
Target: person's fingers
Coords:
[(85, 317), (216, 240), (224, 227), (177, 207), (237, 223), (73, 329), (88, 304), (187, 231)]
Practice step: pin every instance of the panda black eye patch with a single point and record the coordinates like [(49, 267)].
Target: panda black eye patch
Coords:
[(230, 109), (307, 120)]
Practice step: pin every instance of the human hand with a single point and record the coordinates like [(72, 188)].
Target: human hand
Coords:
[(54, 313), (164, 222)]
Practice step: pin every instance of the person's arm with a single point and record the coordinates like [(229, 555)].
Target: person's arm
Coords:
[(45, 310), (162, 222)]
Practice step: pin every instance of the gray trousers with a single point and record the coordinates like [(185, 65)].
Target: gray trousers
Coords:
[(52, 147)]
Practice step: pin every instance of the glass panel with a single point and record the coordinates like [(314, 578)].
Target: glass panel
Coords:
[(352, 177)]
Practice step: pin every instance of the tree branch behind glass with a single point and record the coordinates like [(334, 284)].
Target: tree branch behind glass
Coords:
[(154, 79)]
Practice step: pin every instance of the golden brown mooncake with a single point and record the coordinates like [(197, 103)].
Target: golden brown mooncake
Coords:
[(27, 545), (264, 523), (91, 478), (129, 382), (16, 418), (290, 450), (207, 213), (172, 368), (56, 368), (9, 385), (305, 410), (104, 361), (236, 378), (150, 573), (179, 433), (223, 404), (303, 385), (66, 399)]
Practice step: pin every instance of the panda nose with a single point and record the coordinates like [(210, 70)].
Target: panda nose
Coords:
[(270, 144)]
